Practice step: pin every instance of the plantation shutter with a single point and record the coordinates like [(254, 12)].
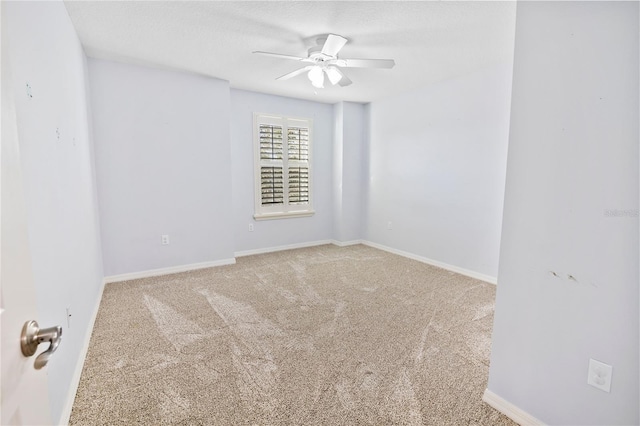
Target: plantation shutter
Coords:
[(272, 185), (270, 142), (298, 164), (298, 144), (282, 166), (298, 185), (271, 179)]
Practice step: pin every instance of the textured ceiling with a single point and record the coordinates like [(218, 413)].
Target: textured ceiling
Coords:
[(430, 41)]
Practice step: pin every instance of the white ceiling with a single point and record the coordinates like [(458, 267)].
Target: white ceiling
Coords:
[(430, 41)]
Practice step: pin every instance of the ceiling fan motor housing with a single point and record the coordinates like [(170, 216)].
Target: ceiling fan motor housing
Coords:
[(316, 54)]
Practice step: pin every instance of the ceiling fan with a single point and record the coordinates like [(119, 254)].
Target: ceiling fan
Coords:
[(325, 61)]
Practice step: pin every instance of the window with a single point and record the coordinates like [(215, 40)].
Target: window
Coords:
[(282, 166)]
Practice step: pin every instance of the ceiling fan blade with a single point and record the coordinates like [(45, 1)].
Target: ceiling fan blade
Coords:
[(333, 75), (344, 81), (278, 55), (365, 63), (294, 73), (337, 77), (333, 44)]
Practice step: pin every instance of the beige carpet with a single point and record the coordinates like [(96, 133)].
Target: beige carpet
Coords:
[(316, 336)]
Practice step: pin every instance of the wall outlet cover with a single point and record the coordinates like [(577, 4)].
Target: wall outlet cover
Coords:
[(600, 375)]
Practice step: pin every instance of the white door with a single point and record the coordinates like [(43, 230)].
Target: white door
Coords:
[(24, 395)]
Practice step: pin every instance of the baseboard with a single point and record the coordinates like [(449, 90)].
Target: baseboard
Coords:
[(281, 248), (508, 409), (452, 268), (167, 271), (345, 243), (77, 374), (231, 261)]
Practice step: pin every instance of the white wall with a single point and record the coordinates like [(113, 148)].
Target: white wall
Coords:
[(163, 167), (349, 159), (573, 156), (437, 170), (279, 232), (59, 179)]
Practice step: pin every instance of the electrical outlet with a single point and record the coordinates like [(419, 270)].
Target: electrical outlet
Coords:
[(251, 227), (600, 375), (389, 225), (165, 240), (68, 317)]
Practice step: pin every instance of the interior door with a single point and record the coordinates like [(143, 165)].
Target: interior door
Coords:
[(24, 394)]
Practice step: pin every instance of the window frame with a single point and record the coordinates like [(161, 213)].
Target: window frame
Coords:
[(285, 210)]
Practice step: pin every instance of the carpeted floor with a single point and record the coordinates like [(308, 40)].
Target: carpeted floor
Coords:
[(316, 336)]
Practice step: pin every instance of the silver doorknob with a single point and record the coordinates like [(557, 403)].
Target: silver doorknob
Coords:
[(32, 336)]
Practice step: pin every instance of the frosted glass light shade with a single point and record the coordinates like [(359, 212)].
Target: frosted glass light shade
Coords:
[(317, 77)]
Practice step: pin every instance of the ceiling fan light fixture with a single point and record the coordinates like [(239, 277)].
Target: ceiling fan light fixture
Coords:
[(317, 77), (334, 75), (323, 59)]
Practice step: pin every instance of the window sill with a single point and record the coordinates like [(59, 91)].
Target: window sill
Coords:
[(284, 215)]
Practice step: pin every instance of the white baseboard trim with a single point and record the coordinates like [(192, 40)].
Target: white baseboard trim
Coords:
[(167, 271), (77, 374), (281, 248), (508, 409), (345, 243), (452, 268)]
